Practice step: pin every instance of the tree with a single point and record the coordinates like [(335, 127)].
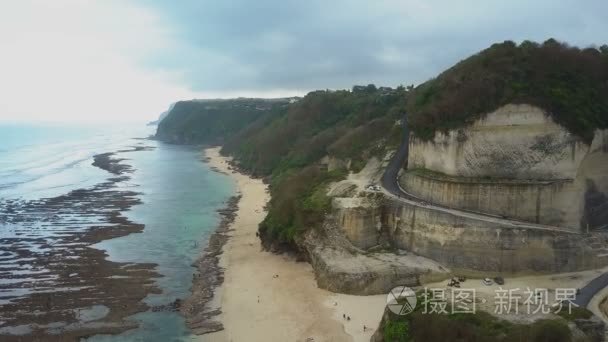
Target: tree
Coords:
[(371, 88), (527, 44), (567, 82), (551, 42)]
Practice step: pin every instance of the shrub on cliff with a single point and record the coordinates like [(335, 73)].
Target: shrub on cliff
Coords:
[(477, 327), (299, 202), (212, 121), (341, 122), (284, 141), (287, 147), (568, 82)]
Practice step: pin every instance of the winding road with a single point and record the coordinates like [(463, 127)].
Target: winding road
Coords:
[(390, 186)]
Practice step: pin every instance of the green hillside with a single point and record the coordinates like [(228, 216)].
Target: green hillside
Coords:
[(284, 143), (212, 121), (345, 124), (568, 82), (283, 140), (340, 123)]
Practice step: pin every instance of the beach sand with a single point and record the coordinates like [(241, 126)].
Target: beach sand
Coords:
[(269, 297), (291, 307)]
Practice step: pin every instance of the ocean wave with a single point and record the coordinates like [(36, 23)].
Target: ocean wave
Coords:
[(45, 171)]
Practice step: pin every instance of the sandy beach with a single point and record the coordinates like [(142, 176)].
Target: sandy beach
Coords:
[(269, 297)]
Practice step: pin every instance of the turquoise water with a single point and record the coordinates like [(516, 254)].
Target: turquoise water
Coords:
[(179, 194), (49, 160)]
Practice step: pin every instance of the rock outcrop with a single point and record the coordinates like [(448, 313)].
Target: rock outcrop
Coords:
[(512, 193), (340, 266), (545, 202), (516, 163), (465, 243), (513, 142), (471, 243)]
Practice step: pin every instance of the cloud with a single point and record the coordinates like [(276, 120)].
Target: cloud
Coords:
[(117, 60), (304, 45), (80, 61)]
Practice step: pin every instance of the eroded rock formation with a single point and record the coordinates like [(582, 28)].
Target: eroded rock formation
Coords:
[(512, 193), (516, 163)]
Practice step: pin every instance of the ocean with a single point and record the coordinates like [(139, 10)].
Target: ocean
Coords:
[(82, 246)]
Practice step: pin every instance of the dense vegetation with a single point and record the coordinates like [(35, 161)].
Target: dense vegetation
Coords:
[(474, 327), (568, 82), (341, 123), (284, 143), (285, 147), (211, 121)]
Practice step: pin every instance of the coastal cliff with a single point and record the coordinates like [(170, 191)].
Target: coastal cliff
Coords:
[(515, 162), (506, 168), (212, 121), (504, 172), (516, 141), (486, 222)]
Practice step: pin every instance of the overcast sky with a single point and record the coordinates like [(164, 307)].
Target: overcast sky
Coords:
[(90, 60)]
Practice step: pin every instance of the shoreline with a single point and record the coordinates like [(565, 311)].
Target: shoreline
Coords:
[(271, 297), (198, 308)]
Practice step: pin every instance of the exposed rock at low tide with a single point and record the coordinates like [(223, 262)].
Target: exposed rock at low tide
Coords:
[(52, 276), (199, 309)]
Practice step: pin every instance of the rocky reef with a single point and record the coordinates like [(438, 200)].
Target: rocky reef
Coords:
[(516, 163)]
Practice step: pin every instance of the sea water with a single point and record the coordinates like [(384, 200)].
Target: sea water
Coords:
[(180, 197)]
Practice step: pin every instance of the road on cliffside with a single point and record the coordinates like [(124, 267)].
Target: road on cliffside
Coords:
[(390, 184), (590, 290)]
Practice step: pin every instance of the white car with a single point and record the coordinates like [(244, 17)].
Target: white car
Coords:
[(487, 281), (373, 187)]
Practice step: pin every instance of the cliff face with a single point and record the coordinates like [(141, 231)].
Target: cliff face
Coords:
[(340, 265), (518, 163), (466, 243), (162, 116), (515, 141), (360, 219), (514, 164), (213, 121), (569, 83)]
